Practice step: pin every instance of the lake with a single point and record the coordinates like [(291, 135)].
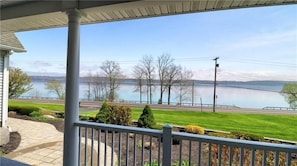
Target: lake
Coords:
[(244, 95)]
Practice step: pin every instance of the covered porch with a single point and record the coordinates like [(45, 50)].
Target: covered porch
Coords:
[(32, 15)]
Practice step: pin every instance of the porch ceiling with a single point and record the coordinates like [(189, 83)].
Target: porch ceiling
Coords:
[(29, 15)]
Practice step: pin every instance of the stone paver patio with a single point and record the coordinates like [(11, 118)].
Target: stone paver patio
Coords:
[(41, 144)]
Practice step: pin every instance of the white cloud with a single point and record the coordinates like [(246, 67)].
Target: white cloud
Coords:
[(267, 39), (41, 64)]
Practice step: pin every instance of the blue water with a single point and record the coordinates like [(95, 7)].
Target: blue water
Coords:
[(243, 96)]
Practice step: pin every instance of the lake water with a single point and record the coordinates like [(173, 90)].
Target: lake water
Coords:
[(245, 96)]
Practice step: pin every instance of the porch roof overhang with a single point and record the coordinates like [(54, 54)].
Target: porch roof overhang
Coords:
[(9, 42), (22, 15)]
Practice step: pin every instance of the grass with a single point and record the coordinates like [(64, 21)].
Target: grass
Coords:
[(42, 106), (275, 126)]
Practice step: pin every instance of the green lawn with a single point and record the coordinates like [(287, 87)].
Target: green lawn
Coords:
[(275, 126), (53, 107)]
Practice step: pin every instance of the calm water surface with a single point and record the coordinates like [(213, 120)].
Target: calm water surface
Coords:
[(241, 97)]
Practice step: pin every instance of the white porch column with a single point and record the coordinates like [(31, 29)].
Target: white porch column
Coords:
[(5, 88), (70, 156)]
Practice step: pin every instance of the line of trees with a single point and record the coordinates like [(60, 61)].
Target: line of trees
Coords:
[(104, 85), (169, 75)]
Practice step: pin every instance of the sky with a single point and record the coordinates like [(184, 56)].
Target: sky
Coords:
[(252, 44)]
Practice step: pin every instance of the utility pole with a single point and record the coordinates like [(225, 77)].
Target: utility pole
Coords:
[(215, 85)]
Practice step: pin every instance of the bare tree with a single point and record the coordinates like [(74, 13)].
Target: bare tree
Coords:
[(89, 79), (112, 71), (163, 63), (147, 64), (54, 86), (99, 87), (139, 74), (173, 72), (184, 84)]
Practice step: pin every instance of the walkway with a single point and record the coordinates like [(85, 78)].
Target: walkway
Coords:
[(41, 144)]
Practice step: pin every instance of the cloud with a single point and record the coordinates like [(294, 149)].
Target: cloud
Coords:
[(41, 64), (255, 75), (258, 43), (231, 75), (267, 39)]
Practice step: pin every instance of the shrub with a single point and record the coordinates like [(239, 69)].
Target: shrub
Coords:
[(122, 115), (35, 114), (247, 136), (25, 110), (14, 108), (113, 114), (146, 119), (103, 114), (194, 129)]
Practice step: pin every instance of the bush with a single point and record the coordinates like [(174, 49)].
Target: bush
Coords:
[(122, 115), (247, 136), (25, 110), (194, 129), (35, 114), (146, 119), (103, 114), (113, 114)]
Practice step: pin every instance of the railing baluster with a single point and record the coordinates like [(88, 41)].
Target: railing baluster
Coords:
[(230, 155), (105, 147), (241, 156), (288, 159), (209, 154), (127, 148), (276, 158), (86, 146), (180, 152), (135, 147), (120, 149), (190, 152), (112, 147), (199, 151), (92, 147), (142, 150), (79, 144), (99, 147), (219, 154), (151, 150), (264, 157), (253, 157), (159, 151)]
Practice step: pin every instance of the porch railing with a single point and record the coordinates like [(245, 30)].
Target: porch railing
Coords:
[(106, 144)]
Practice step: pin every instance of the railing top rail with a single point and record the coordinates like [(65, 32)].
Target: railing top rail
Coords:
[(236, 142), (119, 128)]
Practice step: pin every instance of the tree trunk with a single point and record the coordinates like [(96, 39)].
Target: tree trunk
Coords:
[(169, 91), (161, 95)]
